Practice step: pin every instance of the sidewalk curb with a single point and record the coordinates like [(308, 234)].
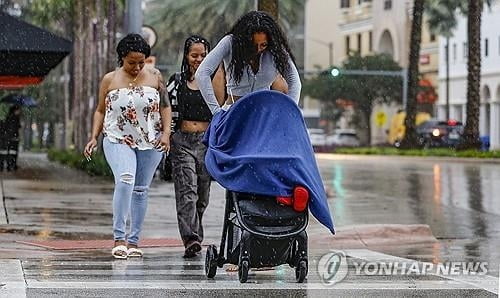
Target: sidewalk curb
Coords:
[(335, 156)]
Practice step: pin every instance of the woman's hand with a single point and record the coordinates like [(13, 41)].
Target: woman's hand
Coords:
[(89, 148), (163, 143)]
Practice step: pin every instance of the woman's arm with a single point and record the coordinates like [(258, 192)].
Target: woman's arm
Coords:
[(280, 84), (166, 115), (219, 84), (208, 67), (99, 113), (292, 78)]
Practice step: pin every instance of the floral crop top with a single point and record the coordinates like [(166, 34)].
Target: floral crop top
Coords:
[(135, 113)]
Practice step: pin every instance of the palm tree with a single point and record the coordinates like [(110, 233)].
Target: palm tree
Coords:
[(442, 20), (471, 130), (269, 6), (410, 139), (176, 20), (93, 26)]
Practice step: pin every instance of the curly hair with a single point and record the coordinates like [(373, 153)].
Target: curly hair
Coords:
[(191, 40), (132, 43), (243, 49)]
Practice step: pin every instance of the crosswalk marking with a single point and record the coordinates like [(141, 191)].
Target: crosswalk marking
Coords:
[(168, 271), (12, 282)]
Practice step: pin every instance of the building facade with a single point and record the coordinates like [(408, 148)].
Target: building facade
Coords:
[(367, 27), (489, 121)]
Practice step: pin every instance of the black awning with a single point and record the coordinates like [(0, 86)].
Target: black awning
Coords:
[(27, 50)]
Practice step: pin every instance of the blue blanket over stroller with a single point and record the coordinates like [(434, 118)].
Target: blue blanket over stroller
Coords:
[(260, 145)]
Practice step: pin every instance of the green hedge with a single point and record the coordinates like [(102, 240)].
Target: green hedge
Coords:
[(96, 167), (419, 152)]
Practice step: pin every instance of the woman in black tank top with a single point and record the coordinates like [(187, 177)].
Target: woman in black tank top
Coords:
[(191, 179)]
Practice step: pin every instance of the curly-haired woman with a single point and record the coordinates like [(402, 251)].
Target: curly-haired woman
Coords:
[(255, 54)]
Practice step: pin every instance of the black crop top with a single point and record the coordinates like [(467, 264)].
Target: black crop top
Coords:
[(192, 107)]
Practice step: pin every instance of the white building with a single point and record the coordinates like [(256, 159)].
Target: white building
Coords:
[(489, 123)]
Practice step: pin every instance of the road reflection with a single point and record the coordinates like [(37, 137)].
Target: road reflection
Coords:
[(459, 201)]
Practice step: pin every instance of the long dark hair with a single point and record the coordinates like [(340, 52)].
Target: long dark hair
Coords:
[(185, 70), (243, 48)]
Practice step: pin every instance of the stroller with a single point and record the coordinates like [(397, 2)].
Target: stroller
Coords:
[(259, 150), (258, 232)]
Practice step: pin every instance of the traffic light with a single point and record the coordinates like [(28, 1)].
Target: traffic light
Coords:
[(335, 72)]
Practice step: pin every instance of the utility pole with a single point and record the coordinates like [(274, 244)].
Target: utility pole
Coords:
[(133, 16)]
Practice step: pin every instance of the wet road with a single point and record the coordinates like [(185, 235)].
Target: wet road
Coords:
[(458, 200), (45, 201)]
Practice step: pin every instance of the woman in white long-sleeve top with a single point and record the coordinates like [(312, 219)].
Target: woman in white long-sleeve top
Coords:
[(255, 53)]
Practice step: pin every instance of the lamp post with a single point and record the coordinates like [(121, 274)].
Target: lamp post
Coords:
[(330, 48), (133, 16)]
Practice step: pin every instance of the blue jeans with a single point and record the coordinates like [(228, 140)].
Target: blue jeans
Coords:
[(133, 170)]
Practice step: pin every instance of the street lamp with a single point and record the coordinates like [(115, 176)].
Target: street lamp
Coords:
[(330, 48)]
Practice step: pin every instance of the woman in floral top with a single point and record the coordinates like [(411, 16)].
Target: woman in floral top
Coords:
[(134, 116)]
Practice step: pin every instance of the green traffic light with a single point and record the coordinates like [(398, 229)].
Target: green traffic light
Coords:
[(335, 72)]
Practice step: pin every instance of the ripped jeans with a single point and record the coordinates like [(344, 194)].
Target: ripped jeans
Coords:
[(133, 170)]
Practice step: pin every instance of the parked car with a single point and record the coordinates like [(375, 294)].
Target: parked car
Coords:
[(343, 138), (318, 138), (439, 133)]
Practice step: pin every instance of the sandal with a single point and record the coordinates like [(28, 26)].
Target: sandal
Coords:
[(134, 252), (119, 252)]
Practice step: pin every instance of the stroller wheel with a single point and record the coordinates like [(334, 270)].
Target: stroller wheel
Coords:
[(243, 271), (301, 271), (211, 261)]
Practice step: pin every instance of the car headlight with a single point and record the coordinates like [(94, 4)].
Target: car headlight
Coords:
[(435, 132)]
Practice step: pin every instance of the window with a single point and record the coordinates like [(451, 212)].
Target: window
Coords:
[(347, 45), (344, 3), (370, 42), (433, 37), (454, 52), (360, 47), (387, 4), (466, 52), (486, 50)]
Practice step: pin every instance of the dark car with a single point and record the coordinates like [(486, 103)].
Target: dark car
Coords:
[(439, 133)]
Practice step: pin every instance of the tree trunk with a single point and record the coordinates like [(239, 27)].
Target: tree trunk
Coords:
[(367, 113), (447, 82), (269, 6), (410, 139), (471, 130), (111, 39)]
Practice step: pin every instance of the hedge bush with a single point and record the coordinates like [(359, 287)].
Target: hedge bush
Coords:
[(96, 167)]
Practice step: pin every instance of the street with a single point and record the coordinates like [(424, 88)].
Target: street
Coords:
[(387, 209)]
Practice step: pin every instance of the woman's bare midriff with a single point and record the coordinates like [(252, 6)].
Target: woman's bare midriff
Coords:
[(193, 126)]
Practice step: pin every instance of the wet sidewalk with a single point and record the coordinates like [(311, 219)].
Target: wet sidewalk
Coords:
[(44, 201)]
